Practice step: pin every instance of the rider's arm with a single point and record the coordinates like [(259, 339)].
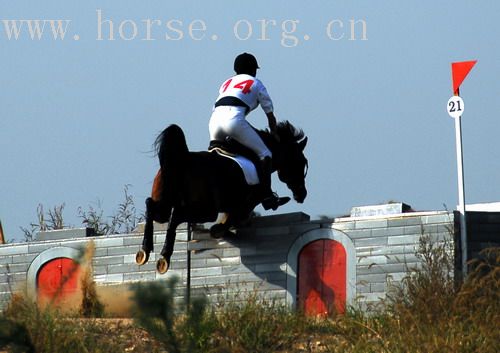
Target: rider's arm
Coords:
[(272, 121), (267, 105)]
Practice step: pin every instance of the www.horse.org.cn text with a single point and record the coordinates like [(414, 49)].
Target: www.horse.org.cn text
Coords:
[(287, 32)]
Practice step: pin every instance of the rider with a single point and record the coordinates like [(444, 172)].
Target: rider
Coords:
[(239, 95)]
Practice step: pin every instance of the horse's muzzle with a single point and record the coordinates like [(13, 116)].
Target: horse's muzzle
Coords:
[(299, 193)]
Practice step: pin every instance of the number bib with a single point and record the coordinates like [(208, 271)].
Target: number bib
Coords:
[(248, 89)]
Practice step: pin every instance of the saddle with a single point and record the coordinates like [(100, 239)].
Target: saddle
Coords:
[(232, 148)]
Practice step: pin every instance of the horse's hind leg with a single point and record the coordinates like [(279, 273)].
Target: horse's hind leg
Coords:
[(163, 263), (142, 255)]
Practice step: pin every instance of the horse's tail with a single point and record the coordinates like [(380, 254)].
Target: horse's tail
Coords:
[(171, 148)]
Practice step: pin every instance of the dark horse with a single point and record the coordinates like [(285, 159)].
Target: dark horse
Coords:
[(197, 186)]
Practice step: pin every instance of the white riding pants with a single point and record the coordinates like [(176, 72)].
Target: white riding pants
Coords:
[(230, 121)]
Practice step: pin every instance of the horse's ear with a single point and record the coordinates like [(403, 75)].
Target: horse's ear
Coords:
[(303, 143)]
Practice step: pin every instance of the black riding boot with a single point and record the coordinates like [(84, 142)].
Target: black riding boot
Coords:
[(271, 199)]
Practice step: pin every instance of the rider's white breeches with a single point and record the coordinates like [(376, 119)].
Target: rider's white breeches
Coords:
[(230, 121)]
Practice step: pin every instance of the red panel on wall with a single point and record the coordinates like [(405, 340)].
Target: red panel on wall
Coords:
[(58, 279), (322, 278)]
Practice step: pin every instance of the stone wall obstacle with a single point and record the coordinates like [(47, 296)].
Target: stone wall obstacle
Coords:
[(263, 258)]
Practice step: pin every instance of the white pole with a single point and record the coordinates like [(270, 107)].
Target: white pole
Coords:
[(461, 193)]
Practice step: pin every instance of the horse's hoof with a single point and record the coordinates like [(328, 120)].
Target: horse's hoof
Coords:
[(218, 231), (162, 266), (141, 257)]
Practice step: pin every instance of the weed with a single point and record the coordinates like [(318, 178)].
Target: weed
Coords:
[(52, 220), (256, 324), (125, 220)]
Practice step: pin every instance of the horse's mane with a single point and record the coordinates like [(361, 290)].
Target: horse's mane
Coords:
[(170, 146), (289, 133)]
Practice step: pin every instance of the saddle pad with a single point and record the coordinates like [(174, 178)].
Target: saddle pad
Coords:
[(248, 168)]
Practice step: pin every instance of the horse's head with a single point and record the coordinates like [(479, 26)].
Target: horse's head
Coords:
[(289, 159)]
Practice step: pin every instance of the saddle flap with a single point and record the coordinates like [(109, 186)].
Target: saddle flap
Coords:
[(247, 166), (244, 156)]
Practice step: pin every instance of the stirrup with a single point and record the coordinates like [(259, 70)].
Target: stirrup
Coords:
[(274, 201)]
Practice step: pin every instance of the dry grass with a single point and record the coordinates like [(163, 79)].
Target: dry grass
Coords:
[(430, 312)]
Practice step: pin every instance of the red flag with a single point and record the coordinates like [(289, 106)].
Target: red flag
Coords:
[(459, 71)]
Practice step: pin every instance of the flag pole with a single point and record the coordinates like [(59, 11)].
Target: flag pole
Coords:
[(461, 191)]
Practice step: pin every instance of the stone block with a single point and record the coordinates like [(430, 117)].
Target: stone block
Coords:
[(396, 276), (10, 249), (38, 247), (390, 231), (364, 242), (359, 234), (286, 218), (439, 218), (108, 260), (7, 259), (207, 244), (109, 278), (129, 268), (371, 224), (237, 269), (380, 269), (373, 278), (100, 252), (372, 260), (122, 250), (343, 225), (404, 221), (403, 239), (109, 242), (402, 258), (28, 258), (132, 240), (416, 230), (14, 268), (378, 287), (206, 272), (99, 270), (372, 297)]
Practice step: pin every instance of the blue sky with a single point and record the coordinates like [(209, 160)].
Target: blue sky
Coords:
[(78, 116)]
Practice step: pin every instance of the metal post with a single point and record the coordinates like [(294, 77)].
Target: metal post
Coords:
[(188, 275), (461, 193)]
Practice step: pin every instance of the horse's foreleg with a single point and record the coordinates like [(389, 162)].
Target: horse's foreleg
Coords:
[(147, 243), (219, 229), (168, 248)]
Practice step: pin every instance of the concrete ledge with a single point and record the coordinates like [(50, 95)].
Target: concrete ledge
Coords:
[(280, 219), (66, 234)]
